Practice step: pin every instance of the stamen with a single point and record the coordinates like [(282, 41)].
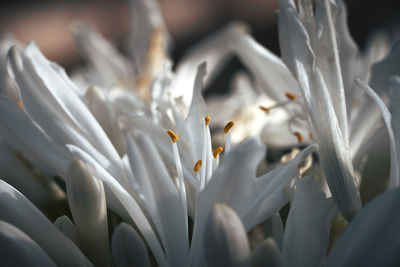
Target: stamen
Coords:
[(217, 151), (299, 137), (173, 136), (19, 103), (265, 109), (290, 96), (228, 126), (207, 120), (197, 166), (310, 135)]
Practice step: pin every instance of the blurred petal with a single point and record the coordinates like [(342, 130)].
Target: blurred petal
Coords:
[(372, 238), (128, 248), (64, 224), (18, 211), (18, 249), (87, 201), (394, 179), (307, 228), (225, 239), (266, 253)]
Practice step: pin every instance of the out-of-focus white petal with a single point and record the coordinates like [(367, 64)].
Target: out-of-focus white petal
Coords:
[(87, 202), (274, 229), (111, 66), (18, 211), (307, 228), (225, 239), (394, 179), (372, 238), (394, 92), (128, 203), (18, 249), (266, 253), (214, 51), (384, 69), (128, 248), (273, 76), (64, 224)]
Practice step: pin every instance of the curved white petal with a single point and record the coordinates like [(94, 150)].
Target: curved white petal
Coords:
[(18, 249), (18, 211), (225, 239), (307, 228), (128, 248), (266, 253), (372, 238), (87, 201), (67, 227)]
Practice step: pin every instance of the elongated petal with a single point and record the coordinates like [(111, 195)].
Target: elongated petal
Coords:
[(266, 254), (18, 211), (274, 229), (128, 248), (261, 61), (394, 93), (332, 137), (127, 201), (394, 179), (372, 238), (214, 51), (87, 201), (18, 249), (64, 224), (307, 228), (110, 65), (225, 240)]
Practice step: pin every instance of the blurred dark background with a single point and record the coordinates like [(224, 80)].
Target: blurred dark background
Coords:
[(47, 22)]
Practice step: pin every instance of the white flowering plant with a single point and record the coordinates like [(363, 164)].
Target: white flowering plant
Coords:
[(117, 164)]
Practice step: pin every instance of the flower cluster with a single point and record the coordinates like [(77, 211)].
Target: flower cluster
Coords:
[(120, 163)]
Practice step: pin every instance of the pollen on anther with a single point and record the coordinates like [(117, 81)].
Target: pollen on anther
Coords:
[(310, 135), (207, 120), (173, 136), (299, 137), (290, 96), (228, 126), (265, 109), (217, 151), (19, 103), (197, 166)]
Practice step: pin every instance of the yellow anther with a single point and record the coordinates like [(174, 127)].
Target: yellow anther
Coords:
[(265, 109), (197, 166), (207, 119), (310, 135), (299, 137), (217, 151), (290, 96), (19, 103), (173, 136), (228, 126)]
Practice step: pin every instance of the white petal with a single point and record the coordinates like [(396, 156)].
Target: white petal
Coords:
[(273, 76), (394, 165), (110, 65), (128, 248), (18, 211), (266, 254), (214, 51), (87, 202), (372, 238), (18, 249), (225, 239), (307, 227), (127, 201), (274, 229), (64, 224)]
